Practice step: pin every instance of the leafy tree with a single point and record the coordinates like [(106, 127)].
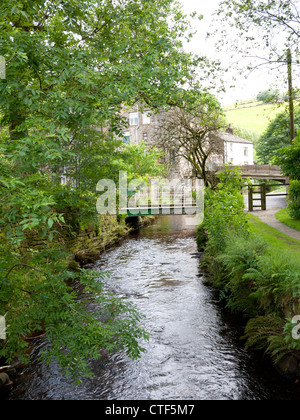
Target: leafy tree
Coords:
[(272, 21), (270, 37), (102, 155), (288, 158), (276, 136), (268, 96), (70, 66)]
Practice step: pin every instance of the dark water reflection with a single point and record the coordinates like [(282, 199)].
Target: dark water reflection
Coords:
[(194, 352)]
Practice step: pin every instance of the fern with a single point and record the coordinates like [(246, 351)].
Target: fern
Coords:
[(260, 329)]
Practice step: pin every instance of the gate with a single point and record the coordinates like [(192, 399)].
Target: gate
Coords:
[(261, 190)]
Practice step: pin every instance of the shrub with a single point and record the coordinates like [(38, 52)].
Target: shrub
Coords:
[(260, 333), (273, 335), (224, 211), (268, 96), (201, 238), (253, 278), (281, 281), (294, 203), (241, 260), (288, 159)]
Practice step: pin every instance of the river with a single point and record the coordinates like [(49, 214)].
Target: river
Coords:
[(194, 351)]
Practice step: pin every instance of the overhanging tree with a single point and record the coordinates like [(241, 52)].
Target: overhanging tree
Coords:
[(70, 66), (266, 34)]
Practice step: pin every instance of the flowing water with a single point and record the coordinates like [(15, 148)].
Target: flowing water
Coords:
[(194, 352)]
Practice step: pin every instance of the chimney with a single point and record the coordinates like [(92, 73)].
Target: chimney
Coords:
[(229, 130)]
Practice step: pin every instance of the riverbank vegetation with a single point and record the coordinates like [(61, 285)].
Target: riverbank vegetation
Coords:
[(257, 272), (288, 159)]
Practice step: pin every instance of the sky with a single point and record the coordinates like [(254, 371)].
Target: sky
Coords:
[(245, 88)]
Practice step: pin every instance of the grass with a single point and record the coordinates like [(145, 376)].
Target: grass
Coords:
[(252, 115), (277, 240), (284, 217), (280, 189)]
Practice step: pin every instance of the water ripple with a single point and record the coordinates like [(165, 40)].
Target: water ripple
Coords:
[(194, 351)]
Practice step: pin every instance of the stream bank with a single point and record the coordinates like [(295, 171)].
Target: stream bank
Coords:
[(79, 250), (194, 351), (91, 242)]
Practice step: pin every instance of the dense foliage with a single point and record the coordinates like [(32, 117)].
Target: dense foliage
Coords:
[(268, 96), (276, 137), (224, 210), (254, 279), (294, 200), (288, 158), (70, 67)]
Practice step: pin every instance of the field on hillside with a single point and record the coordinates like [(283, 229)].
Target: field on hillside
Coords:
[(252, 115)]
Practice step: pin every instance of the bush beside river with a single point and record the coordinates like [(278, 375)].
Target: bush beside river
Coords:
[(38, 297), (254, 277)]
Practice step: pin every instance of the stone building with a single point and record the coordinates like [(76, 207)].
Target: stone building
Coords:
[(142, 123)]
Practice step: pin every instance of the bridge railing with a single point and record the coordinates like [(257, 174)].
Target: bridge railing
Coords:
[(257, 171), (165, 201), (253, 168)]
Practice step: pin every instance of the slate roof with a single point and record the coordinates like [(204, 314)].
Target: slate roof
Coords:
[(233, 138)]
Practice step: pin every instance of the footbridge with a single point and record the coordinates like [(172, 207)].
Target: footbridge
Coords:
[(165, 200), (270, 172), (258, 193), (171, 209), (190, 201)]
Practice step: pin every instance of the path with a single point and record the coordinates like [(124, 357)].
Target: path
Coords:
[(269, 218), (274, 204)]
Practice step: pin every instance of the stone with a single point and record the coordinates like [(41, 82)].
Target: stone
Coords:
[(289, 367)]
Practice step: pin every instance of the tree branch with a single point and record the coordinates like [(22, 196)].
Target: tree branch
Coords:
[(21, 265)]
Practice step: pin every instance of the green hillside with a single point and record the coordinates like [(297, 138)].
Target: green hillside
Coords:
[(252, 116)]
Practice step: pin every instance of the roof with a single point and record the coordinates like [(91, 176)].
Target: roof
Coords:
[(228, 137)]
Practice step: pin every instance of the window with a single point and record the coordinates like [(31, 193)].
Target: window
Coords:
[(146, 118), (145, 136), (134, 118), (246, 151), (126, 137)]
